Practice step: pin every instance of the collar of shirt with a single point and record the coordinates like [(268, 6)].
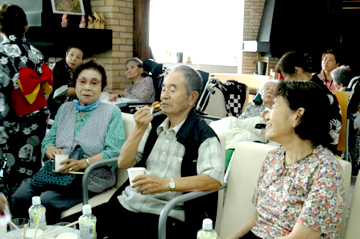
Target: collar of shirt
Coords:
[(164, 126)]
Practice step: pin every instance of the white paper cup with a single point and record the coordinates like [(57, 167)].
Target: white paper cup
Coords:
[(58, 159), (133, 172), (3, 230), (29, 234), (67, 235)]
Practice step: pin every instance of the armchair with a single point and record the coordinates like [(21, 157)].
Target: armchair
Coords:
[(129, 124), (245, 167)]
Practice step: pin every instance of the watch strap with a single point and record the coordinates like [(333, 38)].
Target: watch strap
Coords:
[(172, 185)]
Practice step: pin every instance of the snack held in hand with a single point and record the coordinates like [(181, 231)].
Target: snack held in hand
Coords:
[(156, 105)]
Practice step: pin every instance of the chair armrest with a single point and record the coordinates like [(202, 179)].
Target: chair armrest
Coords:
[(209, 117), (88, 170), (175, 201)]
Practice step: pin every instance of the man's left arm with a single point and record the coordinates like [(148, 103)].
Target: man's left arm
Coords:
[(209, 169)]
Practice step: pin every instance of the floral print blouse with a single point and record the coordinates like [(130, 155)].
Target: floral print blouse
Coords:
[(309, 191), (143, 90)]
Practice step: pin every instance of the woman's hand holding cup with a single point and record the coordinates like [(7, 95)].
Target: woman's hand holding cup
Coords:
[(51, 151)]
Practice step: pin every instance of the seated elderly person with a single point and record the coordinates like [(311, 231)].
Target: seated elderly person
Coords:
[(142, 87), (342, 76), (87, 131), (243, 128), (180, 153), (267, 91), (299, 193)]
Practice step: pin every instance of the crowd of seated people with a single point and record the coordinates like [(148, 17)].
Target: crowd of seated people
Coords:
[(180, 152)]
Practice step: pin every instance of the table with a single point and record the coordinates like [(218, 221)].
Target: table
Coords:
[(49, 228)]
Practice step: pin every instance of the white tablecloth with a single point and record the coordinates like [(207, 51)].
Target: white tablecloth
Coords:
[(16, 234)]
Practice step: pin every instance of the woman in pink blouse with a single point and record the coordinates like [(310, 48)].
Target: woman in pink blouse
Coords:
[(299, 193)]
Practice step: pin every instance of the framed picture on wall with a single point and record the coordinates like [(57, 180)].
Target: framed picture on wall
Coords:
[(70, 7)]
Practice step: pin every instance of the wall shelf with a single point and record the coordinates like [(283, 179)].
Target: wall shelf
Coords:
[(53, 42)]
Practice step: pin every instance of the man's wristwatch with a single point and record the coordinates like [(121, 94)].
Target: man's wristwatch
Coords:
[(172, 185)]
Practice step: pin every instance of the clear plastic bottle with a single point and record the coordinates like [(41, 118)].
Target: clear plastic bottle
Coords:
[(87, 223), (207, 231), (37, 212)]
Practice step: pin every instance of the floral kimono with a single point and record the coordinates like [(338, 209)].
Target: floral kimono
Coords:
[(23, 110)]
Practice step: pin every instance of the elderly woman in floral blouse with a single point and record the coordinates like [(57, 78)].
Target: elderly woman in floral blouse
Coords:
[(142, 87), (299, 193)]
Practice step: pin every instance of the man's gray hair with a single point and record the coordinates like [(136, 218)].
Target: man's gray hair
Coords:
[(263, 86), (342, 75), (193, 79)]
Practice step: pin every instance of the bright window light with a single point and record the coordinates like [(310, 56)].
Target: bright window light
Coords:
[(207, 31)]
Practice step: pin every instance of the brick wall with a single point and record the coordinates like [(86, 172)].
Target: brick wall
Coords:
[(119, 15), (253, 10)]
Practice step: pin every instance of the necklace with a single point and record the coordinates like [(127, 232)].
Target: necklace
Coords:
[(79, 116)]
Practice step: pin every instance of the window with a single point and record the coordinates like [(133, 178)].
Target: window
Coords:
[(208, 31)]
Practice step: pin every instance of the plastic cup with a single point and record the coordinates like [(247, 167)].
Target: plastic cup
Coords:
[(58, 159), (2, 230), (67, 235), (20, 223), (57, 226), (30, 233), (135, 171)]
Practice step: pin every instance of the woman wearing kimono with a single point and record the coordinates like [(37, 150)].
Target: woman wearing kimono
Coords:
[(24, 77)]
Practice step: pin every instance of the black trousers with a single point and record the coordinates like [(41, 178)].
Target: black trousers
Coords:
[(250, 235), (114, 221)]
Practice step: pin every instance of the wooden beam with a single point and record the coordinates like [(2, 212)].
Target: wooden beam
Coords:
[(141, 29)]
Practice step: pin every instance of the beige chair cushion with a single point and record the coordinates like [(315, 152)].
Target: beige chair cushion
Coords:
[(245, 168)]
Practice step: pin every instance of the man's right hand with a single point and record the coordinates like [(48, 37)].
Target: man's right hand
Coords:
[(51, 151), (143, 117)]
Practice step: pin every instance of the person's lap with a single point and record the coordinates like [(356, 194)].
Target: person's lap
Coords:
[(114, 221), (54, 201)]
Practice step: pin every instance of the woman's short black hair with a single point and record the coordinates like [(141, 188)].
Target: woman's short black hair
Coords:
[(81, 48), (12, 19), (292, 59), (334, 52), (315, 122), (92, 64)]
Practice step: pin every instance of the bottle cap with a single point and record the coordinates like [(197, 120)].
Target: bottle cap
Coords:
[(207, 224), (86, 209), (36, 200)]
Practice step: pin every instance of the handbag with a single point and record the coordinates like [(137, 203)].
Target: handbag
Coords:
[(47, 177)]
